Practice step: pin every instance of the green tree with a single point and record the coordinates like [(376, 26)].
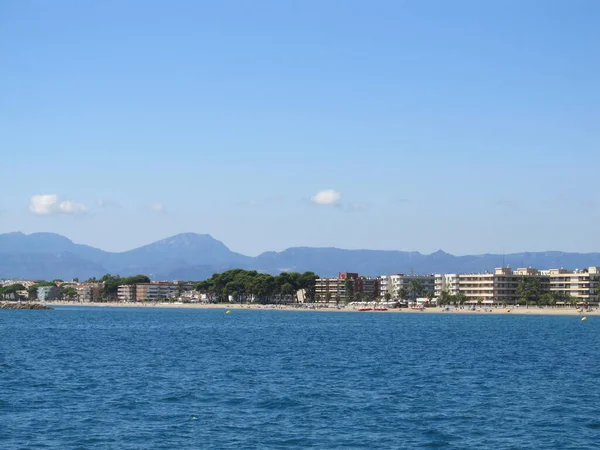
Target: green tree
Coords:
[(207, 288), (443, 299), (308, 281), (572, 300), (136, 279), (415, 289), (288, 290), (429, 295), (12, 291), (250, 285), (387, 296), (110, 286), (546, 299), (68, 293), (402, 293), (529, 289), (349, 288), (32, 292), (460, 299)]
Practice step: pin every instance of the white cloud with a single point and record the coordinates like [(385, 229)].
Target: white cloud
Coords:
[(47, 204), (106, 204), (157, 208), (70, 207), (327, 197)]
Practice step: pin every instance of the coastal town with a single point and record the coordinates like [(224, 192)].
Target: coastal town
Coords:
[(502, 287)]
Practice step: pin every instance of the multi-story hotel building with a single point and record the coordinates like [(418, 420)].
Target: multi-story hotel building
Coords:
[(126, 293), (47, 293), (89, 292), (334, 289), (446, 282), (583, 285), (501, 286), (147, 292), (497, 287), (154, 291), (392, 284)]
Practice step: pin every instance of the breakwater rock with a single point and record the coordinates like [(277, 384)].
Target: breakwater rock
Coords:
[(22, 305)]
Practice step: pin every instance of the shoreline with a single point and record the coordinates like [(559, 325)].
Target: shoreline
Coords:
[(434, 310)]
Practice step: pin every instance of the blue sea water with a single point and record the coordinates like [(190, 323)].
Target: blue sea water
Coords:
[(136, 378)]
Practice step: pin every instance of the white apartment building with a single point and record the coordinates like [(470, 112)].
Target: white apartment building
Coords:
[(501, 285), (448, 282), (89, 292), (147, 292), (393, 283), (126, 293), (584, 285)]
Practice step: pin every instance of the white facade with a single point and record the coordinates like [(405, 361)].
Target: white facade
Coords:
[(126, 293), (448, 282), (393, 283), (584, 285)]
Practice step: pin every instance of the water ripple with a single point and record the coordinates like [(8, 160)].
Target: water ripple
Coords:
[(160, 378)]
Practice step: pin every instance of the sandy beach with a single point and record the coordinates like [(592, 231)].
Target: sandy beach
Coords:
[(521, 310)]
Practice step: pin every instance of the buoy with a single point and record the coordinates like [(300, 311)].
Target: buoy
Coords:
[(228, 312), (583, 319)]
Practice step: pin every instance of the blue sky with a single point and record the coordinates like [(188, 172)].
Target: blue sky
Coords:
[(467, 126)]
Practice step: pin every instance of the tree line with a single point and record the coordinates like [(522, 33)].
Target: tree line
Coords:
[(252, 286), (529, 290)]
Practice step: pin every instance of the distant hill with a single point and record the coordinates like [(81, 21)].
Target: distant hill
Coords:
[(191, 256)]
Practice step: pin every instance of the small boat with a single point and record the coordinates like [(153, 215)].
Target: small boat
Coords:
[(381, 309), (365, 309)]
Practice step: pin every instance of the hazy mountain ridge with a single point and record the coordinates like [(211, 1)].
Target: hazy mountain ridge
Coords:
[(197, 256)]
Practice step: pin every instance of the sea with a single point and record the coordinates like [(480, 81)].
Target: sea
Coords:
[(160, 378)]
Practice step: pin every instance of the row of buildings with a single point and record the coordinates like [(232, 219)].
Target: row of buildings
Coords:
[(501, 285), (496, 287), (141, 292), (488, 288), (154, 291)]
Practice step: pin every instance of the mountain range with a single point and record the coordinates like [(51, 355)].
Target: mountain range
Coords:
[(191, 256)]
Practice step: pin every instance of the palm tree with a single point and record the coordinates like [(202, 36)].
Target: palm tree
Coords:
[(444, 298), (572, 301), (349, 288), (429, 295), (415, 288), (460, 298), (546, 299), (529, 288), (402, 293)]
